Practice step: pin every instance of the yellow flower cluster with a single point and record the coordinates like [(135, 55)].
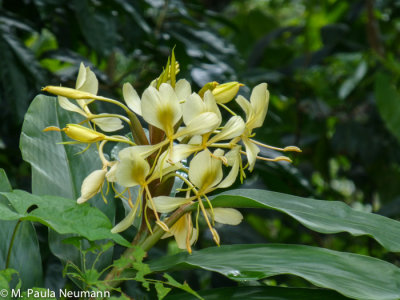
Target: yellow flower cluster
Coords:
[(184, 126)]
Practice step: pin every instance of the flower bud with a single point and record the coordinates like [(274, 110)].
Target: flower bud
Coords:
[(68, 92), (91, 185), (83, 134), (225, 92)]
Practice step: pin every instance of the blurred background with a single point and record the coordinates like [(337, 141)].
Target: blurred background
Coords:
[(331, 67)]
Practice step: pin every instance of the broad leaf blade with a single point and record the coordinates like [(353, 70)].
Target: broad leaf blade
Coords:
[(352, 275), (25, 253), (261, 293), (318, 215), (57, 169), (63, 215)]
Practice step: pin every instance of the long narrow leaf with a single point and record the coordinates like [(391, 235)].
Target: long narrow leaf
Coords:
[(353, 275)]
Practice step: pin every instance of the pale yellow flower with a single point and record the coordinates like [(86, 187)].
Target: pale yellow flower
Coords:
[(256, 111), (225, 92), (184, 233), (86, 86), (79, 133), (161, 108), (92, 185)]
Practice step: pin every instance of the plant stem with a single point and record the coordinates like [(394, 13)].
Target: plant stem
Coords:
[(12, 243), (146, 245)]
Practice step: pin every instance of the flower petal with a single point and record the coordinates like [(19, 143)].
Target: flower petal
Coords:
[(161, 108), (211, 104), (91, 185), (91, 84), (229, 216), (166, 204), (125, 223), (193, 107), (244, 104), (132, 98), (108, 124), (259, 100), (182, 151), (132, 171), (111, 177), (143, 150), (205, 171), (80, 80), (251, 151), (67, 105), (231, 177), (233, 128), (203, 123), (182, 89)]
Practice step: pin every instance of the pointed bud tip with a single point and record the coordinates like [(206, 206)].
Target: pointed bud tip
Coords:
[(282, 158), (52, 128), (81, 200), (292, 148)]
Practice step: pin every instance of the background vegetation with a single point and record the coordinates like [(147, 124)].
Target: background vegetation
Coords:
[(332, 69)]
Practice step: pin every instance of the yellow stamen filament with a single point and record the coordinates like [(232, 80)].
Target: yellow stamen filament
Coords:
[(159, 222), (286, 149), (213, 232), (278, 158)]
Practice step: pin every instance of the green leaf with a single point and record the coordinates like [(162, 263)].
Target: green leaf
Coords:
[(58, 170), (25, 253), (261, 293), (6, 276), (388, 102), (351, 83), (318, 215), (5, 185), (181, 286), (61, 214), (352, 275), (162, 291)]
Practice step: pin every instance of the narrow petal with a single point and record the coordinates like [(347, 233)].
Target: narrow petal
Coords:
[(108, 124), (231, 177), (143, 150), (229, 216), (132, 98), (91, 84), (67, 105), (251, 151), (125, 223), (182, 89), (259, 102), (166, 204), (244, 104), (233, 128), (80, 80), (211, 104)]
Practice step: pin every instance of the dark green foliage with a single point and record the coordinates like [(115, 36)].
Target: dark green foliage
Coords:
[(333, 71)]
